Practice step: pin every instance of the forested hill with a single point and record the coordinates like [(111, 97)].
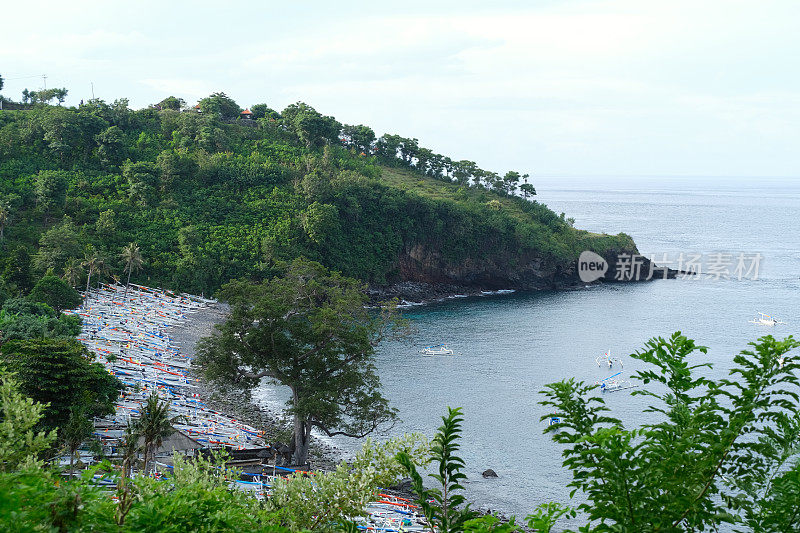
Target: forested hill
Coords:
[(209, 194)]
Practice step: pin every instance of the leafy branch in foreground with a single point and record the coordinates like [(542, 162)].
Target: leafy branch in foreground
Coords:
[(326, 499), (442, 506), (19, 415), (719, 451)]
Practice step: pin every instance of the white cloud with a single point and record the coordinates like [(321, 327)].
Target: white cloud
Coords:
[(185, 88), (570, 86)]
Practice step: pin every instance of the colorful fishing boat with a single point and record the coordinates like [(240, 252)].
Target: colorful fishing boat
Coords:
[(766, 320), (439, 349)]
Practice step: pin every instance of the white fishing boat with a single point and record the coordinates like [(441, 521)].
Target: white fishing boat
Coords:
[(439, 349), (613, 384), (607, 360), (766, 320)]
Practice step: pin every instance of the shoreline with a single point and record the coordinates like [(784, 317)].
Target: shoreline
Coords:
[(414, 293), (233, 402)]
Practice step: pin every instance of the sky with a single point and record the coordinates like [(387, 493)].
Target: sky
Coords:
[(550, 88)]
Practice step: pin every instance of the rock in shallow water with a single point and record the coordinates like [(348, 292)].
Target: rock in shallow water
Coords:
[(489, 473)]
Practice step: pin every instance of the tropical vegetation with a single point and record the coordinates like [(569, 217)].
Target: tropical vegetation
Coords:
[(720, 453), (207, 196)]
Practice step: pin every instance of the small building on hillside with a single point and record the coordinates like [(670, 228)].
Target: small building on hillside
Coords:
[(246, 114)]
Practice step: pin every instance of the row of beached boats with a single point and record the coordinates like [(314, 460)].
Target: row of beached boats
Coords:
[(129, 331)]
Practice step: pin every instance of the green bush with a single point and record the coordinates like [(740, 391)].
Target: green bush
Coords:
[(56, 293)]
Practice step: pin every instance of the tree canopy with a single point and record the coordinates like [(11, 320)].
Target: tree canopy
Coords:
[(56, 293), (62, 374), (308, 330), (221, 105)]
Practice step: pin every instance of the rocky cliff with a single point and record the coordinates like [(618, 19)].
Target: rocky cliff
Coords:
[(424, 273)]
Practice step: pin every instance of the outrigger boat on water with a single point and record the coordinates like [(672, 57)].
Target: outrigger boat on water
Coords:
[(610, 384), (439, 349), (766, 320), (607, 360)]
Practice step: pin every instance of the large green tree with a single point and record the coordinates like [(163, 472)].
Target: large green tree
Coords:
[(220, 104), (17, 269), (171, 102), (51, 191), (311, 127), (58, 245), (309, 330)]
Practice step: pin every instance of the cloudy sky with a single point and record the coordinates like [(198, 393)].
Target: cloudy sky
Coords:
[(563, 87)]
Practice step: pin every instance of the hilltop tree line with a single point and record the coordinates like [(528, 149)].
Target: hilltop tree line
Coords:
[(315, 130)]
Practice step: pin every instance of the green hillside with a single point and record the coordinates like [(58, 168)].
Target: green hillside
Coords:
[(209, 196)]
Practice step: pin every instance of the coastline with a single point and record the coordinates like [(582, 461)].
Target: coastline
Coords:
[(237, 403), (414, 293), (322, 455)]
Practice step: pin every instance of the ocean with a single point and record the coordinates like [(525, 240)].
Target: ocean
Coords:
[(510, 346)]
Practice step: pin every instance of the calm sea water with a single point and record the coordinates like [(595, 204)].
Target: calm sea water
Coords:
[(512, 345)]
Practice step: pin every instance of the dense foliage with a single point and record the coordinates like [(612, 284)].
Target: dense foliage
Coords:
[(21, 318), (196, 496), (56, 293), (717, 452), (208, 197), (62, 374)]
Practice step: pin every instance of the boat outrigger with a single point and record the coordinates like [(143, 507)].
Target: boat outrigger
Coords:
[(766, 320), (607, 360), (439, 349), (610, 384)]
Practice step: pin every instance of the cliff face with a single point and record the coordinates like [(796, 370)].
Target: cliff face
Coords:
[(423, 263), (424, 273)]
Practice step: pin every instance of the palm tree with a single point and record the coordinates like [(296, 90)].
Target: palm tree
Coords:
[(132, 257), (74, 432), (73, 271), (95, 262), (153, 426), (5, 217), (130, 444)]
